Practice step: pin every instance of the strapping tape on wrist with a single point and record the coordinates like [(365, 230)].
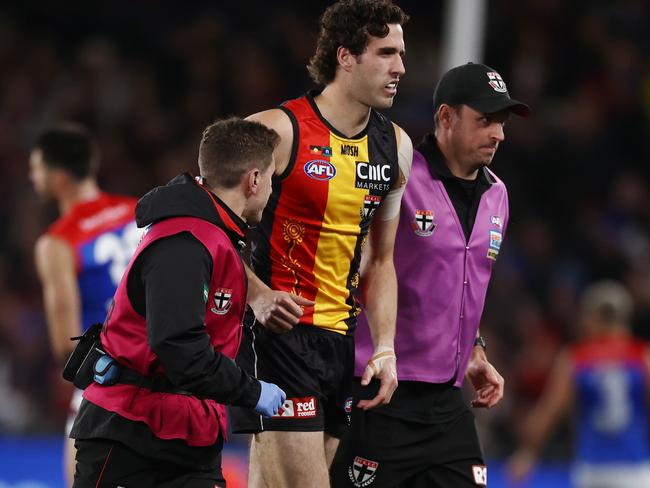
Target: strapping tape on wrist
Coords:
[(379, 357)]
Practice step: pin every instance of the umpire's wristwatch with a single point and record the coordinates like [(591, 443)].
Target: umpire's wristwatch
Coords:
[(480, 341)]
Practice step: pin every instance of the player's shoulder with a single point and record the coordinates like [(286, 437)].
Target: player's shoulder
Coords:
[(51, 249), (63, 227), (280, 121), (276, 119), (91, 218), (403, 139), (48, 243)]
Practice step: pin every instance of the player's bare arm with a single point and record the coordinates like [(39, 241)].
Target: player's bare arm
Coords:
[(56, 269), (379, 282), (379, 297), (555, 402)]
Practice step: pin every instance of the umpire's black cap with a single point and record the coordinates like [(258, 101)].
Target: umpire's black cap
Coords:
[(478, 86)]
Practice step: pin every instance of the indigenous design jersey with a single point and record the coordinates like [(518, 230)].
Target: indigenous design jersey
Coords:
[(610, 379), (318, 216), (103, 236)]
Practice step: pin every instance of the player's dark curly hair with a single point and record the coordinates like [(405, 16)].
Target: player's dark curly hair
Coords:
[(348, 23)]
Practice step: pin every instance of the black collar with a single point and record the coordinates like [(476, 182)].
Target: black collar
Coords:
[(234, 226), (240, 226)]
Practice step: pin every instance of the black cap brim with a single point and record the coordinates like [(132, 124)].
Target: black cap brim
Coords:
[(493, 105)]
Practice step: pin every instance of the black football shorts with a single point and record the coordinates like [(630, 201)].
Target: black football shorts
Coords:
[(313, 366), (382, 451)]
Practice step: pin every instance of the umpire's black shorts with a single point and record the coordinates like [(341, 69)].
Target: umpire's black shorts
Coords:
[(382, 449), (314, 367)]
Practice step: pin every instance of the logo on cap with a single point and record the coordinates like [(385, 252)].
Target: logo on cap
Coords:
[(496, 82)]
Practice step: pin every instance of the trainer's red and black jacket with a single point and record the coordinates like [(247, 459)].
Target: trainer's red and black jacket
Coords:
[(177, 313)]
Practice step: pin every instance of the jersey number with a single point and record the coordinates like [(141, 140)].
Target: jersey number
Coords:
[(117, 250), (614, 412)]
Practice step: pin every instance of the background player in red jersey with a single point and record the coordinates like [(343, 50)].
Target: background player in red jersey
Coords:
[(340, 172), (81, 257), (604, 377)]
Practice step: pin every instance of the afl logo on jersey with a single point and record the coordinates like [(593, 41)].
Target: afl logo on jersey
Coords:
[(320, 170)]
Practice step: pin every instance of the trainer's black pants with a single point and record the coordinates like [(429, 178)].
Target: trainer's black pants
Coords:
[(104, 463)]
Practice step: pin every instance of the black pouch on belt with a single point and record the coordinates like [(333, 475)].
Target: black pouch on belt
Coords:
[(79, 367)]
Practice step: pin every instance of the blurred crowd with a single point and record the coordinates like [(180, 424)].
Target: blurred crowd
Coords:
[(147, 77)]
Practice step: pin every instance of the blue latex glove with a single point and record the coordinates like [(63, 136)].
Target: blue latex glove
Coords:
[(271, 399)]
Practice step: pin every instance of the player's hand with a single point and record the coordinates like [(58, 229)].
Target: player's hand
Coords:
[(271, 399), (382, 365), (520, 465), (279, 311), (485, 379)]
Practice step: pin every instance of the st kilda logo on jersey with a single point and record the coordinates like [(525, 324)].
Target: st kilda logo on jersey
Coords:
[(423, 225), (370, 204), (372, 176), (222, 301)]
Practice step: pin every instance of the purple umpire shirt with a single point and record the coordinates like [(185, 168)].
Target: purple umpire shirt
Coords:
[(442, 278)]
